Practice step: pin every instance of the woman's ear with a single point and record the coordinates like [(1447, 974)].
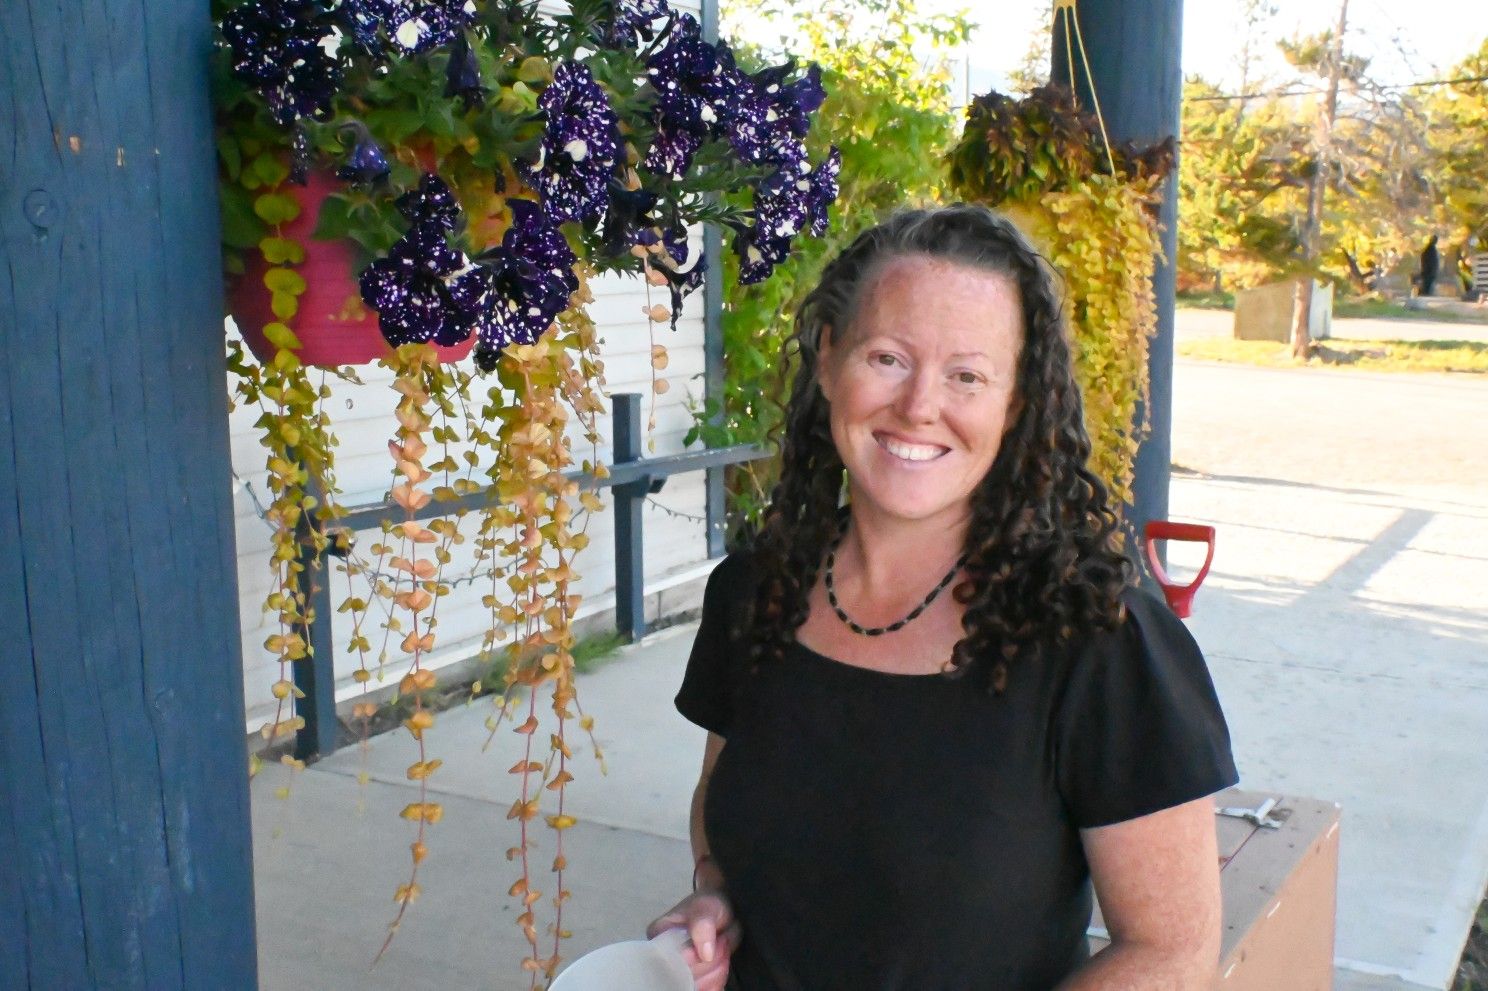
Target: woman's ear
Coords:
[(825, 367), (1015, 410)]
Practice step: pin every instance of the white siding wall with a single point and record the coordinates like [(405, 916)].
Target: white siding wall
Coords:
[(675, 548)]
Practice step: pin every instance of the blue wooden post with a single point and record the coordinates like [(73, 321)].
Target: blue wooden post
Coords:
[(125, 855), (1134, 48)]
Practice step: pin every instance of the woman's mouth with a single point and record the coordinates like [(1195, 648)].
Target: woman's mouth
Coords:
[(905, 451)]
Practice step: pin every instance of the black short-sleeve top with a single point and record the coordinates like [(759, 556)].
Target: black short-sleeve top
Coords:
[(882, 832)]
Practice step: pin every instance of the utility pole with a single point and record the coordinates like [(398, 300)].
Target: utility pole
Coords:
[(1317, 189), (1134, 50)]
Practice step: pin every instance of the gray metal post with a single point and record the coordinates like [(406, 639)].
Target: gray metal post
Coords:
[(713, 370), (630, 561)]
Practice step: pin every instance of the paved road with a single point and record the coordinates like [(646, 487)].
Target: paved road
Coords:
[(1346, 623), (1419, 434)]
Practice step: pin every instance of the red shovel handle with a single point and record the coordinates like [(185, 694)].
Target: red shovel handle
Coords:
[(1180, 597)]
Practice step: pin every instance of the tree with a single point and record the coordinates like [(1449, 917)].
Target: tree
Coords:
[(1458, 178), (1331, 58), (1400, 162)]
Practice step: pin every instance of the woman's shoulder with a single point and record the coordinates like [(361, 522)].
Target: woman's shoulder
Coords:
[(734, 577), (1145, 639)]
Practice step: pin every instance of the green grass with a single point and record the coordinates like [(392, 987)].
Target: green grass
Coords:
[(1390, 310), (592, 652), (1207, 300), (1344, 307), (1377, 356)]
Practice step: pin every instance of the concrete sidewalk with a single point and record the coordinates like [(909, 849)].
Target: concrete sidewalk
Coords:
[(1348, 647)]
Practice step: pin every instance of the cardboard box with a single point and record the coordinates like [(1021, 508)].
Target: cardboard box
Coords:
[(1280, 893)]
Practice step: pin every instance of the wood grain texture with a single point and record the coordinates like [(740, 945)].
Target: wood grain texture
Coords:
[(121, 752)]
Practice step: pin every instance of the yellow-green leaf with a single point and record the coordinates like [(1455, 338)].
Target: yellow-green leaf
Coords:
[(281, 250), (284, 305), (285, 280), (281, 336)]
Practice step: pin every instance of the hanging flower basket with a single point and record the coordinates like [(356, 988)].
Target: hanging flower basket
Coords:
[(333, 324)]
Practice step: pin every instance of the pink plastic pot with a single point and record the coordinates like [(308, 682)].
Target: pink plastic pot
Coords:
[(333, 324)]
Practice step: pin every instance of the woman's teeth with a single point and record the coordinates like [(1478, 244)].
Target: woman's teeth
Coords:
[(911, 452)]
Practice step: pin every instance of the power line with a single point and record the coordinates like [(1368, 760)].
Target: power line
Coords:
[(1322, 89)]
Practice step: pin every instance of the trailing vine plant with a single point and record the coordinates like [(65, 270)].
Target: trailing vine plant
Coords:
[(1092, 210), (885, 66), (491, 160)]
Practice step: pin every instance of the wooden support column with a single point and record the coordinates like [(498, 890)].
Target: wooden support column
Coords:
[(125, 854), (1134, 48)]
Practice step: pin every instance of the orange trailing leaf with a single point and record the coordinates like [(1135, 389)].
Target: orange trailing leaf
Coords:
[(419, 770), (430, 812)]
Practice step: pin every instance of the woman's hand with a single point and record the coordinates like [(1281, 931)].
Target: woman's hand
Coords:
[(709, 921)]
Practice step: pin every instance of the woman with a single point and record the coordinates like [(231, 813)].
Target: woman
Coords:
[(904, 789)]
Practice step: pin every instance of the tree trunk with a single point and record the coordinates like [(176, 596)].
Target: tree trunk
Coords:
[(1316, 193)]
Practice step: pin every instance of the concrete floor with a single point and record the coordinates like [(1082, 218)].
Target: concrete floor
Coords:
[(1346, 624)]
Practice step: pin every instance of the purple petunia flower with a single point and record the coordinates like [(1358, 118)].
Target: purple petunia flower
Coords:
[(694, 83), (363, 19), (423, 289), (686, 271), (417, 289), (286, 49), (580, 146), (790, 200), (413, 26), (769, 117), (527, 283), (823, 191), (432, 203), (758, 254), (419, 25), (366, 165), (634, 21), (462, 77)]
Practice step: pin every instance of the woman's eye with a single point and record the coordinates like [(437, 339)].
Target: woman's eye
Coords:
[(968, 378), (884, 359)]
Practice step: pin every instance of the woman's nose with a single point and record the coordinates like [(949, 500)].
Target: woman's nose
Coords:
[(919, 400)]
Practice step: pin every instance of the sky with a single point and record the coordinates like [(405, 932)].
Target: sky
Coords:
[(1408, 41)]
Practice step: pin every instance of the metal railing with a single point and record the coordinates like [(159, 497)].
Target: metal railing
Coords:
[(631, 479)]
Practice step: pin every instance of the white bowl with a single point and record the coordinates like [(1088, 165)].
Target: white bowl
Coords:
[(635, 965)]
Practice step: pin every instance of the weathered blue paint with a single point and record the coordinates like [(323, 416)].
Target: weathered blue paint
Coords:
[(1134, 48), (123, 792)]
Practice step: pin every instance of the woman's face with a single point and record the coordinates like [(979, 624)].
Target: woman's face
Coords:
[(922, 386)]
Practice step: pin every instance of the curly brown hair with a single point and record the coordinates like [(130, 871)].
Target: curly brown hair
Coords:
[(1042, 559)]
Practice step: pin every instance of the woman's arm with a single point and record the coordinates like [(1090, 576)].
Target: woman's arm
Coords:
[(708, 875), (706, 913), (1157, 878)]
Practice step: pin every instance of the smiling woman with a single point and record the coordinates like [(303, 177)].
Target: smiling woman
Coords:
[(920, 385), (904, 789)]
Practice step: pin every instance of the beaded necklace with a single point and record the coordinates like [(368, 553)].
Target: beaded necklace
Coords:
[(876, 631)]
